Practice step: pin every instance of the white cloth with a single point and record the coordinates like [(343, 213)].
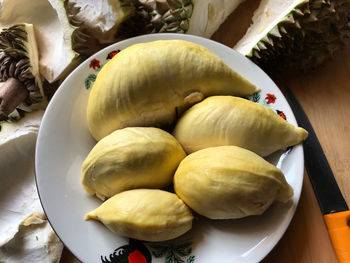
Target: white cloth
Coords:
[(25, 234)]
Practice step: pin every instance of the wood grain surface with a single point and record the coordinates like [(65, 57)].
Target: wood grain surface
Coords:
[(325, 96)]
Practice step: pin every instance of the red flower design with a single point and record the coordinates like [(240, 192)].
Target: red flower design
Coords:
[(270, 98), (95, 64), (113, 53), (281, 113), (136, 257)]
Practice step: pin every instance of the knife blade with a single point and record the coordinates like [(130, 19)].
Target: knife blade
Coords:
[(330, 199)]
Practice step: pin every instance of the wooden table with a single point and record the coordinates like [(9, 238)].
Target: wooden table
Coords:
[(325, 95)]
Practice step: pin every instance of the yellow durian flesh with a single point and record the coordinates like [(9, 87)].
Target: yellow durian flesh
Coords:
[(145, 214), (139, 157), (228, 120), (147, 84), (229, 182)]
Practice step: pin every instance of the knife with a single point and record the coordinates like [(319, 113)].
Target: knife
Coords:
[(332, 204)]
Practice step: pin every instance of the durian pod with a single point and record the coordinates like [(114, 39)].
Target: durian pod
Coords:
[(145, 214), (128, 18), (53, 33), (141, 157), (19, 69), (295, 34), (148, 84), (229, 182), (196, 17), (93, 33), (228, 120)]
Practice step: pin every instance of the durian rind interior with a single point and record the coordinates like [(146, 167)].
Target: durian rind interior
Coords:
[(102, 20), (138, 157), (266, 20), (229, 182), (145, 214), (208, 15), (148, 84)]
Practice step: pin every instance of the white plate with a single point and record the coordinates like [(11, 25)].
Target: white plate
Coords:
[(64, 142)]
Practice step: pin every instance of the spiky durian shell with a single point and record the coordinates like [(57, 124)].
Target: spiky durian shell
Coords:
[(85, 42), (306, 37), (15, 60), (158, 16)]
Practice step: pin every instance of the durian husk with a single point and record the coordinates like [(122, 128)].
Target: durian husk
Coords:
[(89, 38), (19, 60), (157, 16), (52, 33), (196, 17), (304, 38)]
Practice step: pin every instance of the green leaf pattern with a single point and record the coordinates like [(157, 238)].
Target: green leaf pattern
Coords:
[(183, 249), (159, 251), (256, 97), (190, 259), (89, 80), (173, 253), (171, 257)]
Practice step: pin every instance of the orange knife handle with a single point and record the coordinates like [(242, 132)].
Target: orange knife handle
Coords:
[(338, 225)]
